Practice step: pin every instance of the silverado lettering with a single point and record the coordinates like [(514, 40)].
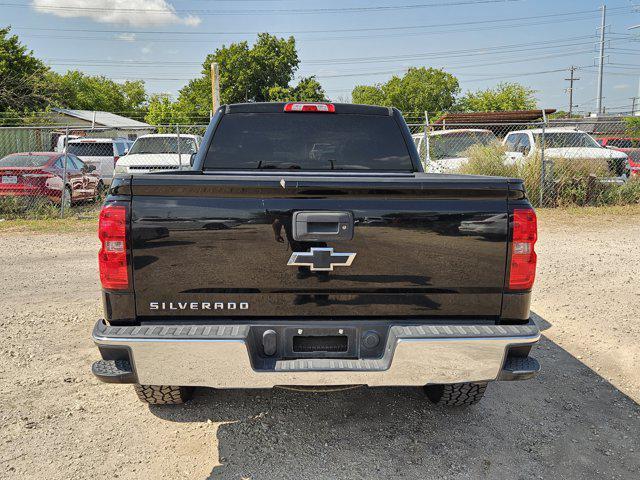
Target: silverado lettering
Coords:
[(198, 305)]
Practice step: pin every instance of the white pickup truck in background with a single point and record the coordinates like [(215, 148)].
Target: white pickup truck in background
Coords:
[(568, 144), (156, 152)]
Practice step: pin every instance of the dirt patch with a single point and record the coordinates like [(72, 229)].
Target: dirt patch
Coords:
[(579, 419)]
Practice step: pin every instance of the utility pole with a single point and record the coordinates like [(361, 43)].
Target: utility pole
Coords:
[(571, 79), (215, 86), (601, 65), (633, 105)]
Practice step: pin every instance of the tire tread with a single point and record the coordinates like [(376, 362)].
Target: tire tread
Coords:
[(163, 394), (456, 394)]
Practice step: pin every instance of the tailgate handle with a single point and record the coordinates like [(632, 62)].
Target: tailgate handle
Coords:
[(322, 226)]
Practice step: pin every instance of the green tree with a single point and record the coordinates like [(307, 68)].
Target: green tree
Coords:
[(505, 96), (23, 77), (308, 89), (419, 90), (163, 111), (369, 95), (95, 92), (632, 126), (258, 73)]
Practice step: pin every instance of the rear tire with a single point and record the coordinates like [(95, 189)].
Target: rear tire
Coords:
[(456, 394), (163, 394)]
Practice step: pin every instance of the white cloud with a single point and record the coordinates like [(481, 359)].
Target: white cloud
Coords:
[(146, 49), (136, 13), (621, 86), (126, 37)]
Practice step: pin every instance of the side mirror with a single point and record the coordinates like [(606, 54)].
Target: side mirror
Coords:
[(91, 168), (192, 159)]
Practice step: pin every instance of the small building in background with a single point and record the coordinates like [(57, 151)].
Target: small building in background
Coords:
[(100, 121), (80, 123)]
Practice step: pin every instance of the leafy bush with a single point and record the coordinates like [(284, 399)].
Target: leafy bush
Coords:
[(569, 182), (487, 160), (626, 194), (632, 125)]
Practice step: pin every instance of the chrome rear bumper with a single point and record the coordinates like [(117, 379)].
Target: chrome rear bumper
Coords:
[(218, 356)]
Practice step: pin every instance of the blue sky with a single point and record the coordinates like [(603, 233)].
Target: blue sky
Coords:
[(347, 42)]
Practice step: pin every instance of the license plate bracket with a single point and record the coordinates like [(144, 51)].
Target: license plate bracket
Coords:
[(330, 342)]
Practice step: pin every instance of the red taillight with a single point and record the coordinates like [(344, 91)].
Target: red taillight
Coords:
[(522, 271), (115, 160), (112, 230), (310, 107)]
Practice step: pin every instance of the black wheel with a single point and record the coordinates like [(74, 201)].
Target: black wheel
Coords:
[(163, 394), (455, 394)]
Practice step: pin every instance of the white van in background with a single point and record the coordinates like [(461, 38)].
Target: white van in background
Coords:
[(103, 153), (156, 152)]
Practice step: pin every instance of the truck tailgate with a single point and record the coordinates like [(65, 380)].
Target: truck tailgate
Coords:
[(219, 246)]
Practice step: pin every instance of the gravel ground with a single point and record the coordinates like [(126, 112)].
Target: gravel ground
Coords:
[(579, 419)]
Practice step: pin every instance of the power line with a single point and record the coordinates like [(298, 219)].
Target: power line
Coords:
[(522, 22), (504, 61), (488, 76), (485, 51), (346, 60), (494, 49), (489, 50), (271, 11), (590, 13)]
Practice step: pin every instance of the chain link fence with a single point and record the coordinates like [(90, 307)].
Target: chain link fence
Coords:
[(60, 171), (562, 162)]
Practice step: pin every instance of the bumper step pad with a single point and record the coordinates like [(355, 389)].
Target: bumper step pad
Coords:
[(113, 371), (519, 368)]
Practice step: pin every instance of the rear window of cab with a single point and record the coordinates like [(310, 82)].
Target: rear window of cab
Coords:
[(308, 141)]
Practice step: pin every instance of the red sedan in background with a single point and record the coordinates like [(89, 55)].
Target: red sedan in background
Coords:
[(630, 146), (39, 174)]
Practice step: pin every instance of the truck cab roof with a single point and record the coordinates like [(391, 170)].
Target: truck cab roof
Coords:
[(279, 107)]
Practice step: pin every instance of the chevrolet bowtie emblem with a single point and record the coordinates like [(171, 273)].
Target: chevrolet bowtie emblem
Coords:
[(321, 259)]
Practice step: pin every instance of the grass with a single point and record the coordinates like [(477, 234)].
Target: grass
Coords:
[(41, 216), (75, 223)]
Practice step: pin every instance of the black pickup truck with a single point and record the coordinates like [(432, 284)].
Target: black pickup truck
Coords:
[(308, 247)]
